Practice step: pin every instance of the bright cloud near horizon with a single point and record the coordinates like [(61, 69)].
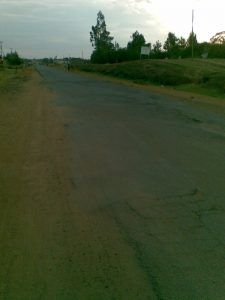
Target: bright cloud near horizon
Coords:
[(48, 28)]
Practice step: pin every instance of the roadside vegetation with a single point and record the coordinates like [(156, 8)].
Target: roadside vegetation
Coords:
[(13, 59), (199, 75), (7, 78), (107, 50), (180, 63), (11, 74)]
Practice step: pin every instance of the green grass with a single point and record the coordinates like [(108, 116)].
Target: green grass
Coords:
[(206, 77), (10, 79)]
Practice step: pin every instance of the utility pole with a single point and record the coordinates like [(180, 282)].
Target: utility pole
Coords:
[(192, 33), (1, 49), (1, 52)]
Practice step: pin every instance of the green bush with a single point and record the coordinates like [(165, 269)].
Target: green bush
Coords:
[(13, 59)]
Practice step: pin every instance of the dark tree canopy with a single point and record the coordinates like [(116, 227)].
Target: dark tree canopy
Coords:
[(13, 59), (101, 40), (182, 43), (171, 42), (137, 40), (134, 46), (106, 50), (192, 37), (174, 46)]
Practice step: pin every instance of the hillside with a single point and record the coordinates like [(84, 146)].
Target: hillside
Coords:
[(198, 75)]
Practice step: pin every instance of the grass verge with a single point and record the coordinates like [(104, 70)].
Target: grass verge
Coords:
[(11, 78), (205, 77)]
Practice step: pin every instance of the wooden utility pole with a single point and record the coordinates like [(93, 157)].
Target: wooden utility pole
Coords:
[(192, 33), (1, 53), (1, 49)]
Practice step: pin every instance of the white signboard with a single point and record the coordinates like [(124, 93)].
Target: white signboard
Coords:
[(145, 50)]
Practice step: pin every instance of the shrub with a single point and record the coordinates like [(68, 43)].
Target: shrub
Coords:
[(13, 59)]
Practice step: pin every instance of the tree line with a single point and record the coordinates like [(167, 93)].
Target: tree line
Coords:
[(106, 50)]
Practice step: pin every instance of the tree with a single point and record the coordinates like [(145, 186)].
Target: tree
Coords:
[(116, 49), (134, 46), (192, 43), (101, 40), (182, 43), (192, 38), (13, 59), (171, 45), (218, 38), (157, 50)]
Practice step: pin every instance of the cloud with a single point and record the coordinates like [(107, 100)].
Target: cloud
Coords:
[(56, 27), (66, 24)]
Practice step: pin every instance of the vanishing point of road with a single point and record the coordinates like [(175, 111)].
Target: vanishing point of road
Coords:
[(135, 208)]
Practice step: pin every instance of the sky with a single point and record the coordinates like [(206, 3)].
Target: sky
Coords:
[(49, 28)]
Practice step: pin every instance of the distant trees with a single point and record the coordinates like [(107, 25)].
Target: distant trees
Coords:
[(174, 46), (47, 61), (106, 50), (218, 38), (212, 50)]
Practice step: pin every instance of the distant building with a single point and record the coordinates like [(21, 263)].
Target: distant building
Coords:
[(218, 38)]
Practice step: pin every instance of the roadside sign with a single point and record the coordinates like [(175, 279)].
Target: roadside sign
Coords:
[(145, 50)]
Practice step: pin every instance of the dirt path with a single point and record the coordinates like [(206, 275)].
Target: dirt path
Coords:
[(30, 184), (50, 249)]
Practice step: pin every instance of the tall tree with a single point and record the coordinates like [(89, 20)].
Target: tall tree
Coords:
[(134, 46), (171, 44), (101, 40), (182, 43), (157, 49), (192, 38)]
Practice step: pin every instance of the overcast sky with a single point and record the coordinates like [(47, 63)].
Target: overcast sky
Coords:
[(48, 28)]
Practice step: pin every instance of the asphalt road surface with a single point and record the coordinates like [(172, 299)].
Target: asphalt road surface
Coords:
[(143, 216)]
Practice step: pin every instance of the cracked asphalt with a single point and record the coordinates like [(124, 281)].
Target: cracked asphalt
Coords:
[(156, 167), (146, 174)]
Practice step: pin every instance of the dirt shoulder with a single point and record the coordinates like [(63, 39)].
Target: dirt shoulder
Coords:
[(49, 247), (31, 174)]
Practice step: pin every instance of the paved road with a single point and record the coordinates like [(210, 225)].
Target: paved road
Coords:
[(148, 176)]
